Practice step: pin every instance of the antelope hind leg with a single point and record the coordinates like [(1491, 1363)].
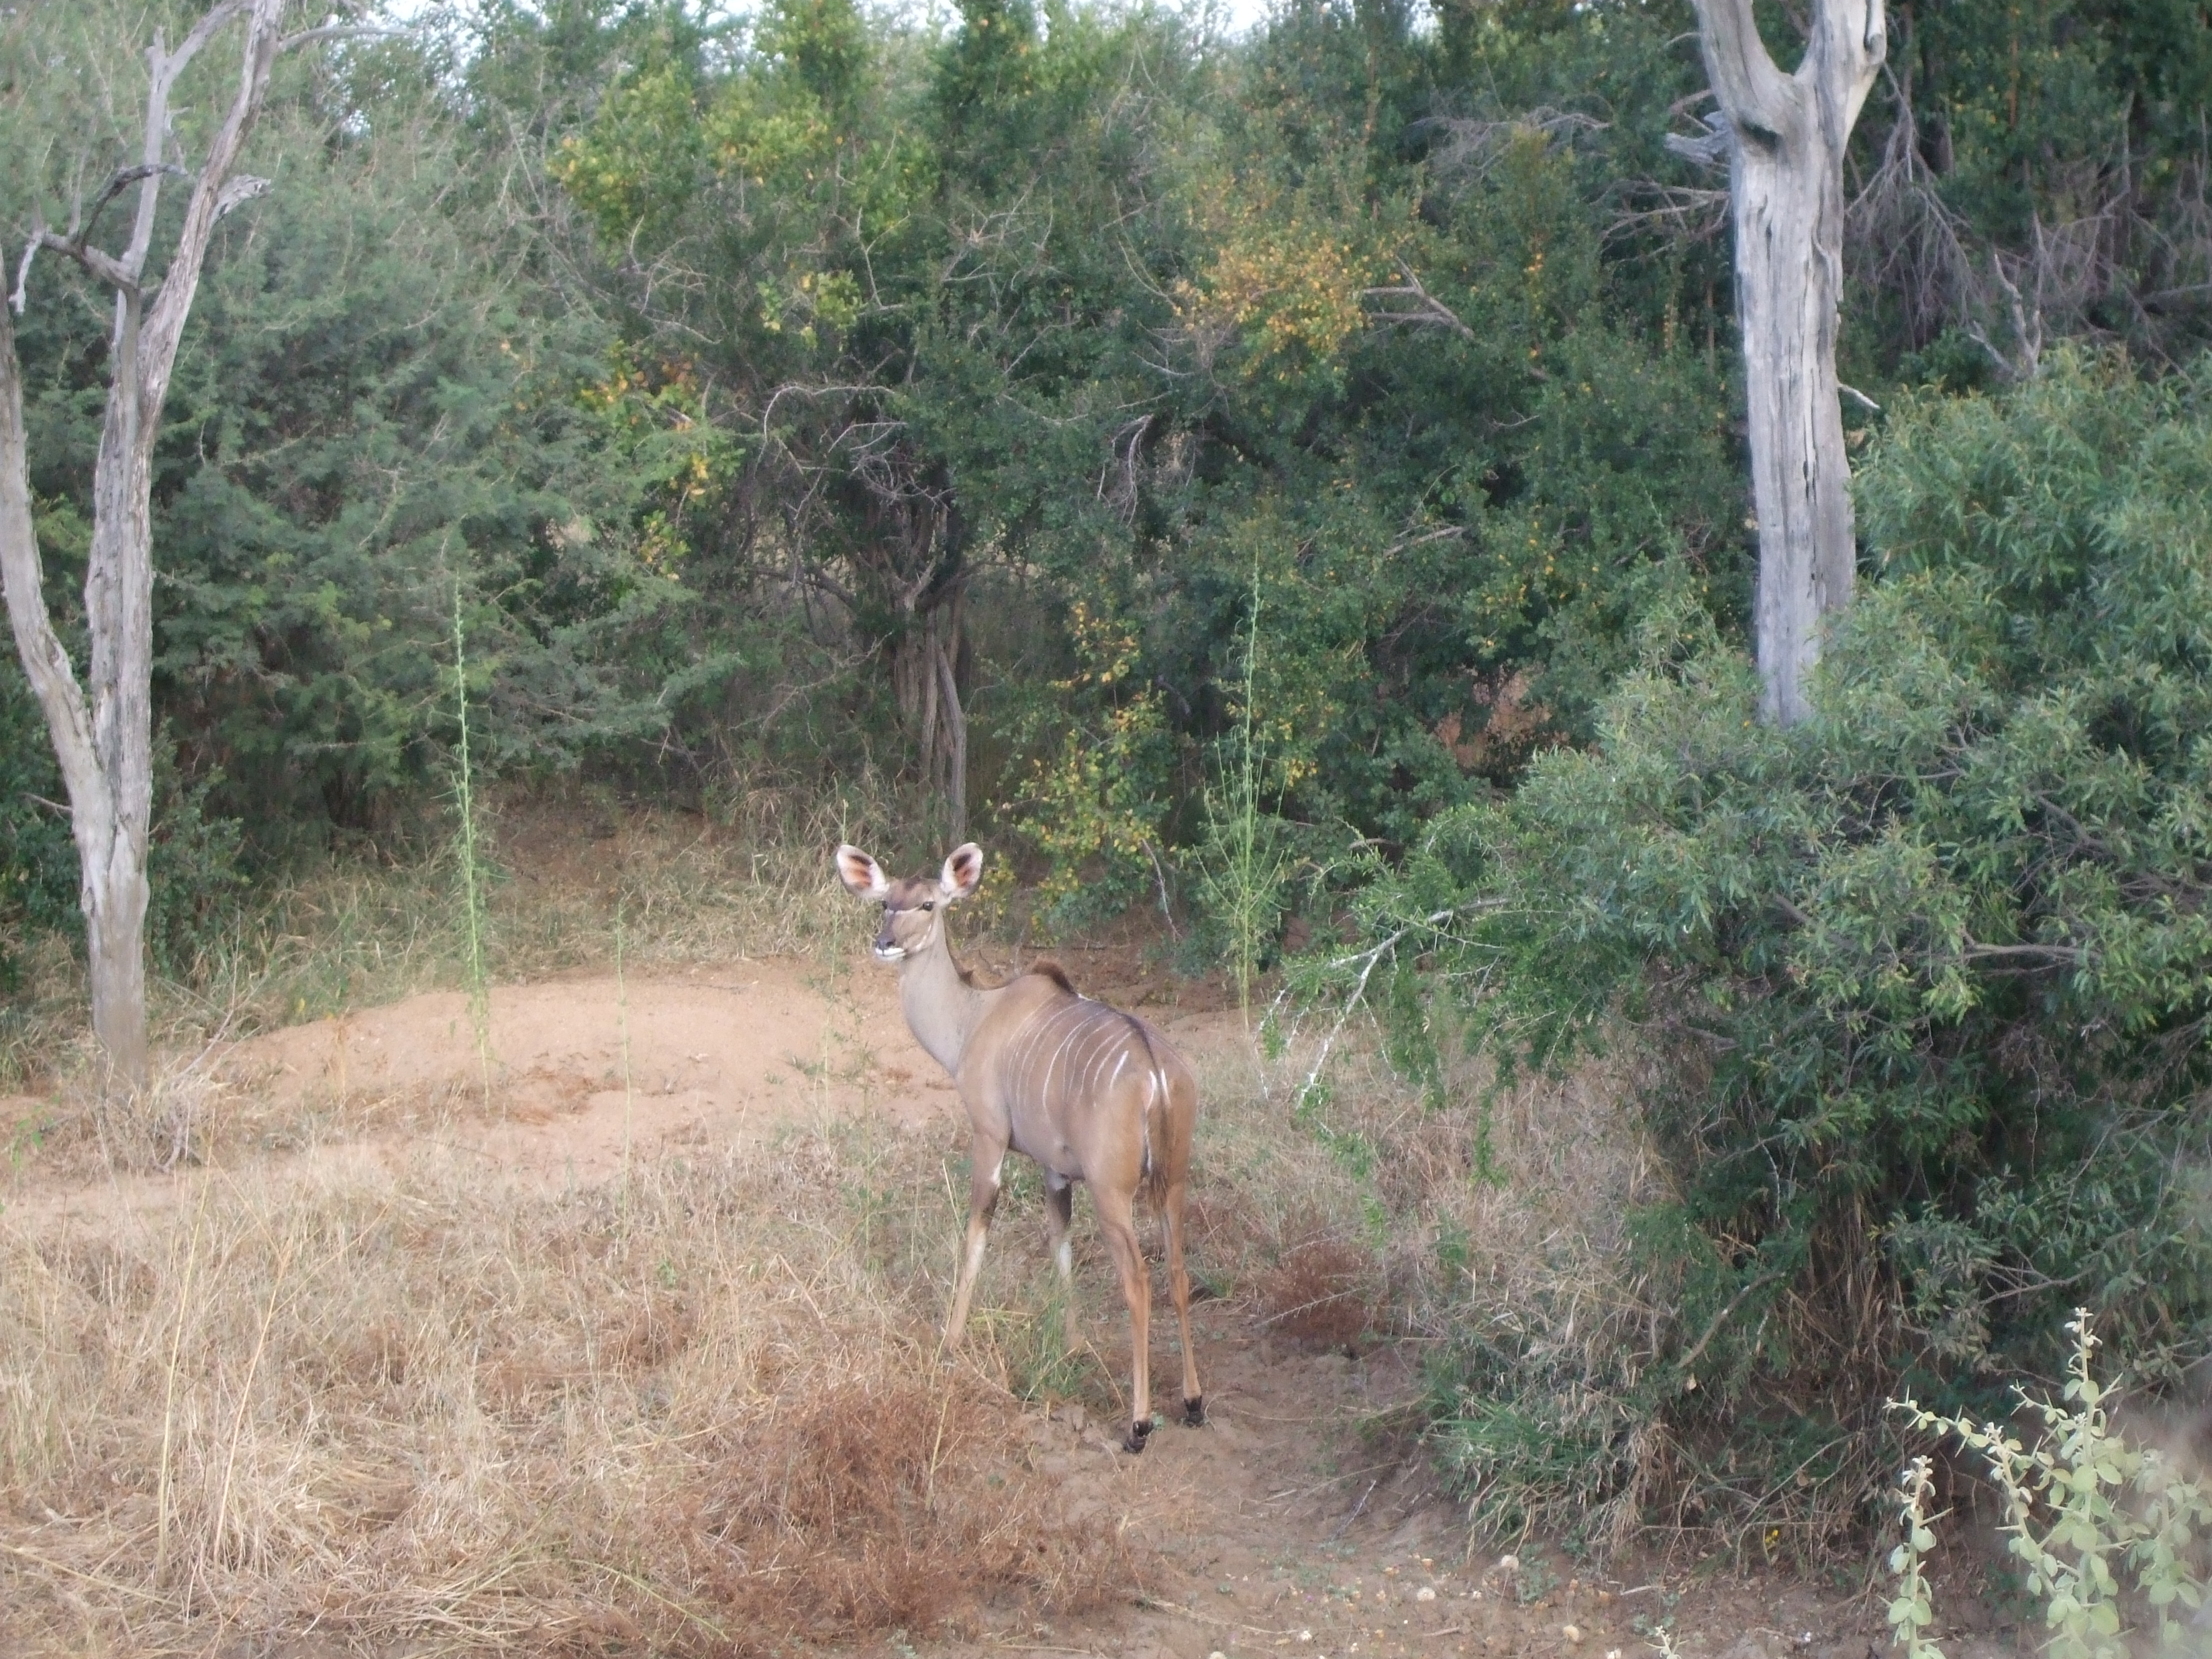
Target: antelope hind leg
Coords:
[(1059, 1213), (1115, 1222), (1194, 1397)]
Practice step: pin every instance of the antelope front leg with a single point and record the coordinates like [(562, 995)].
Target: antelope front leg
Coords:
[(986, 1162), (1116, 1221)]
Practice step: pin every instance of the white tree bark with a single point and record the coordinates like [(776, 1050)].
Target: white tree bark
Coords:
[(102, 729), (1783, 136)]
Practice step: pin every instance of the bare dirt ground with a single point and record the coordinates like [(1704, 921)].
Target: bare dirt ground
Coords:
[(1294, 1522)]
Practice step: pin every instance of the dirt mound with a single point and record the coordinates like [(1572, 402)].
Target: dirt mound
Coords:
[(572, 1069)]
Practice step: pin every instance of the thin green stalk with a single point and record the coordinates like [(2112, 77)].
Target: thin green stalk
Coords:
[(1246, 806), (621, 1024), (1244, 889), (479, 979)]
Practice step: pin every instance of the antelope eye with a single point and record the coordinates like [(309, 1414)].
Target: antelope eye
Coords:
[(929, 904)]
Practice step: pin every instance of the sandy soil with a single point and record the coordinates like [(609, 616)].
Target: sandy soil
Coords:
[(1281, 1528)]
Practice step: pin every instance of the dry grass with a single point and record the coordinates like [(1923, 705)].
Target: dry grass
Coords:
[(567, 875), (1321, 1290), (697, 1413), (1492, 1232)]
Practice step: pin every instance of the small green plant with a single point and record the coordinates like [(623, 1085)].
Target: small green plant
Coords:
[(1243, 864), (1536, 1580), (1912, 1609), (466, 854), (2071, 1525)]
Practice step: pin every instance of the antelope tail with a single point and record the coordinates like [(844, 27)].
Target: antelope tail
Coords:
[(1154, 1124)]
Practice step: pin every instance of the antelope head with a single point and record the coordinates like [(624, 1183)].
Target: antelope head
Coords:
[(913, 908)]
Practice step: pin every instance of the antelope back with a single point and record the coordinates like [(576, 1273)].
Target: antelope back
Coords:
[(1072, 1053)]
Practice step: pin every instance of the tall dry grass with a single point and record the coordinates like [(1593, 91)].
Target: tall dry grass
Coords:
[(423, 1409), (1489, 1233), (696, 1410)]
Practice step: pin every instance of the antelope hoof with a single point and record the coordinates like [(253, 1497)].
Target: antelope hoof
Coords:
[(1194, 1411), (1134, 1440)]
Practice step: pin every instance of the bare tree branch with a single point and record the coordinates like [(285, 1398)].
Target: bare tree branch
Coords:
[(17, 296), (45, 660), (337, 32), (1472, 147), (165, 319), (1709, 148), (239, 191), (1759, 100), (1425, 309), (164, 68), (103, 266), (124, 179), (1850, 40)]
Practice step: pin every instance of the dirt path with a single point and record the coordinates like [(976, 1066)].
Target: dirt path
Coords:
[(1284, 1524), (1287, 1529)]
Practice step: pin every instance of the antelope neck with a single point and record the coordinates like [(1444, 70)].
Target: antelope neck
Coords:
[(942, 1009)]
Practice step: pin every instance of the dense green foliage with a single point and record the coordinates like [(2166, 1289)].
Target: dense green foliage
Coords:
[(1929, 976), (1199, 456), (738, 367)]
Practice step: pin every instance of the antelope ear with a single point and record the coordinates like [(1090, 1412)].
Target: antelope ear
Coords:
[(962, 871), (862, 876)]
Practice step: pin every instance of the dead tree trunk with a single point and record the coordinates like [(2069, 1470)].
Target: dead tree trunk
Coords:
[(953, 715), (102, 729), (926, 679), (1783, 136)]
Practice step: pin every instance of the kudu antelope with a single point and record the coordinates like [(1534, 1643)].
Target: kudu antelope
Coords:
[(1092, 1094)]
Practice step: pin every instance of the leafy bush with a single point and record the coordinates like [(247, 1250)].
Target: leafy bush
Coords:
[(1926, 980)]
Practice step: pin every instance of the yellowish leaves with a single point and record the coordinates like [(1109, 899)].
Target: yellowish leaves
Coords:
[(1106, 646), (812, 300), (634, 161), (1089, 800), (1289, 283), (756, 137)]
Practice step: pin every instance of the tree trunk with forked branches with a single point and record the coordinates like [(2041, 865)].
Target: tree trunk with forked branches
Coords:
[(102, 727), (1784, 137)]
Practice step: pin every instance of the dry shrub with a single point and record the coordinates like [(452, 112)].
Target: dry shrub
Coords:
[(887, 1504), (1499, 1222), (424, 1410), (1321, 1291)]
